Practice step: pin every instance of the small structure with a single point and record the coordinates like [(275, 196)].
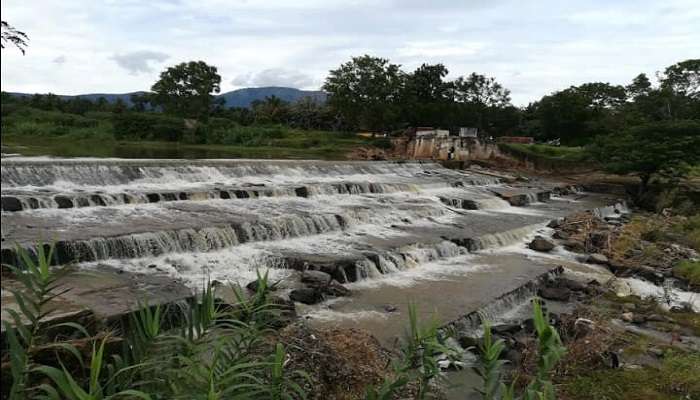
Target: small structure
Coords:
[(467, 132), (516, 139)]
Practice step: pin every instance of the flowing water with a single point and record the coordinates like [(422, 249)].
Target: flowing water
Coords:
[(393, 232)]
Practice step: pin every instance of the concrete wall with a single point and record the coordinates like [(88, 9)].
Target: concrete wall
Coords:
[(438, 148)]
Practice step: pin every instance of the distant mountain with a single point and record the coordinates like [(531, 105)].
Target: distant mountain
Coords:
[(234, 98), (244, 97)]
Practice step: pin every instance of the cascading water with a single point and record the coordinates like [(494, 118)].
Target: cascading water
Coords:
[(356, 220)]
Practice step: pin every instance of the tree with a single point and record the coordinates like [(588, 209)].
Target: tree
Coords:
[(641, 85), (664, 148), (11, 35), (186, 89), (480, 89), (365, 92), (683, 78)]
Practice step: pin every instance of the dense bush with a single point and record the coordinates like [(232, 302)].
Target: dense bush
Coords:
[(148, 126)]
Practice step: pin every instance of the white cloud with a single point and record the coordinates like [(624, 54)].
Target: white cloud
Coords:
[(274, 77), (533, 48), (141, 61)]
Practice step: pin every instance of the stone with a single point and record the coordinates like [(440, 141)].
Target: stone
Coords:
[(505, 329), (10, 203), (571, 284), (319, 278), (468, 341), (657, 318), (335, 289), (63, 202), (597, 258), (302, 191), (253, 286), (575, 245), (555, 293), (582, 327), (650, 274), (638, 319), (541, 244), (599, 239), (306, 295), (555, 223), (627, 316), (561, 235), (390, 308)]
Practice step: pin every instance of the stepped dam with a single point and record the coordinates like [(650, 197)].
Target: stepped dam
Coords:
[(392, 232)]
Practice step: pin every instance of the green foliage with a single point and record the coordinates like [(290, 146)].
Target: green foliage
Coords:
[(185, 90), (690, 270), (418, 364), (550, 351), (675, 378), (148, 126), (662, 148)]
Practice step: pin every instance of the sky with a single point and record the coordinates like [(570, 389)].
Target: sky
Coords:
[(532, 47)]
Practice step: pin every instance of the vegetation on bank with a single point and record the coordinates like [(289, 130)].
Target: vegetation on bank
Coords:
[(206, 349)]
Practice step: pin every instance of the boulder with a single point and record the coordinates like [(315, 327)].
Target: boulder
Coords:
[(555, 223), (253, 286), (555, 293), (574, 245), (570, 284), (306, 295), (319, 278), (10, 203), (541, 244), (597, 258), (63, 202), (561, 235), (505, 329), (335, 289)]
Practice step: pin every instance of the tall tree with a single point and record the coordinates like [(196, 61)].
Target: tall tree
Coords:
[(186, 89), (683, 78), (8, 34), (365, 91), (480, 89)]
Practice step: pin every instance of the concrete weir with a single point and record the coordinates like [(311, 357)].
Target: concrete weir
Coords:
[(163, 227)]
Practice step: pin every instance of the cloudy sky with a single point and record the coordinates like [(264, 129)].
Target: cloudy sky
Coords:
[(532, 47)]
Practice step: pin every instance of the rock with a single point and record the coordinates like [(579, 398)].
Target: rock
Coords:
[(638, 319), (629, 307), (599, 239), (335, 289), (63, 202), (574, 245), (555, 293), (657, 318), (10, 203), (306, 295), (555, 223), (253, 286), (541, 244), (514, 356), (597, 258), (582, 327), (683, 307), (650, 274), (627, 316), (468, 341), (316, 277), (505, 329), (571, 284), (390, 308), (561, 235), (152, 266), (302, 191)]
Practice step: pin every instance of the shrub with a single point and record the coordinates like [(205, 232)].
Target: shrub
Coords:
[(147, 126)]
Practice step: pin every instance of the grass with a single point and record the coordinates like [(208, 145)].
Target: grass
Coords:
[(299, 145), (690, 270), (676, 378), (549, 152)]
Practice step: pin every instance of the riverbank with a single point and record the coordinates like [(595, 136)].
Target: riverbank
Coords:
[(297, 144)]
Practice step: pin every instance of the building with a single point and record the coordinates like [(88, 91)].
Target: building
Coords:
[(467, 132)]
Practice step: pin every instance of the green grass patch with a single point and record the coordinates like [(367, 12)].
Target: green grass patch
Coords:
[(676, 378), (690, 270), (550, 152)]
